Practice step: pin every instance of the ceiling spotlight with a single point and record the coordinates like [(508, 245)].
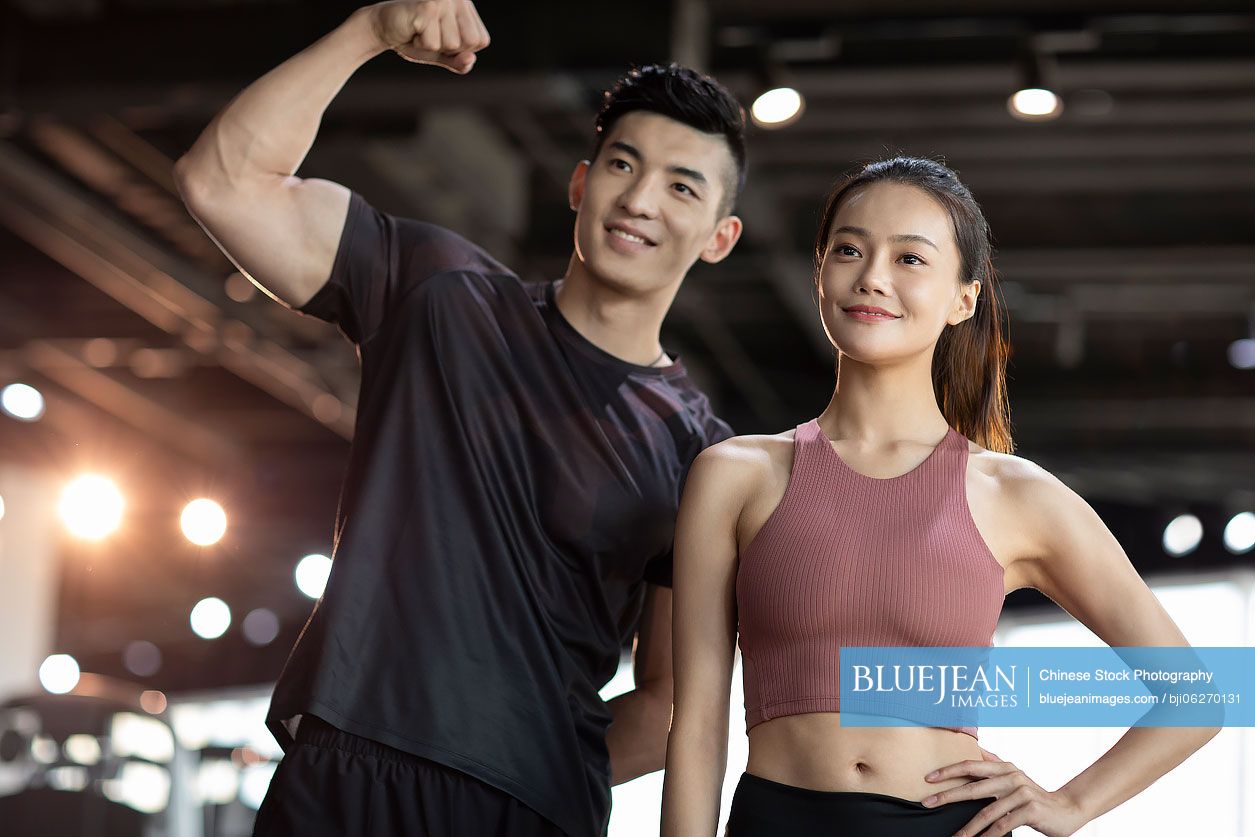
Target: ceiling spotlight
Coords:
[(22, 401), (1035, 100), (1035, 103), (203, 522), (777, 107), (778, 102), (91, 507)]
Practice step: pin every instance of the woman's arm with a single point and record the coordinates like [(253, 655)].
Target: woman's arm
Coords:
[(703, 638), (1083, 568), (1079, 564)]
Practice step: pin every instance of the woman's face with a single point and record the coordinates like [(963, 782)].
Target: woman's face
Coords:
[(892, 247)]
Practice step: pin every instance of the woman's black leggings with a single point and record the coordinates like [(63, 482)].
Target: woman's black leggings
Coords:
[(763, 808)]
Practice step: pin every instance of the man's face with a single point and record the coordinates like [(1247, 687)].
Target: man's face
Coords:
[(650, 204)]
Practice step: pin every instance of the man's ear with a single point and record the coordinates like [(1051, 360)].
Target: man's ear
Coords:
[(575, 189), (722, 240)]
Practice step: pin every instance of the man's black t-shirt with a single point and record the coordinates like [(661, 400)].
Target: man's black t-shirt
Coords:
[(510, 489)]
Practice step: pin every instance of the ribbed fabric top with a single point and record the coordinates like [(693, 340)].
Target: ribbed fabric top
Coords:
[(851, 560)]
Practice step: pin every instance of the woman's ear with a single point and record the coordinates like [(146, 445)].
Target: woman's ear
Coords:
[(965, 309)]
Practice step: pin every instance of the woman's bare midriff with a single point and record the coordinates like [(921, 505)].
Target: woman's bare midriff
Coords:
[(813, 751)]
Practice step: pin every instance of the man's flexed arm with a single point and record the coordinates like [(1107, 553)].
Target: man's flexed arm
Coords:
[(238, 179)]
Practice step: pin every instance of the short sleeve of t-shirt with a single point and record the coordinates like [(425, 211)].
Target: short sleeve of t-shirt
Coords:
[(380, 258)]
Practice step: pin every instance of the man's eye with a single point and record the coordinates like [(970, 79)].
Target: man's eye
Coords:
[(686, 189), (622, 165)]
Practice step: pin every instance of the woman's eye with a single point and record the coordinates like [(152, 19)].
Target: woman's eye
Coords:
[(847, 250), (619, 164), (917, 259)]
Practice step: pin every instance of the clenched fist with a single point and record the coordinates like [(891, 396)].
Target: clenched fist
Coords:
[(443, 32)]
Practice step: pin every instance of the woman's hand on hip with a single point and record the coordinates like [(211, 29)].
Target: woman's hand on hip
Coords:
[(1020, 800)]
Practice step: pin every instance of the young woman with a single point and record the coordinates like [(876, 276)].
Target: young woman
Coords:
[(897, 517)]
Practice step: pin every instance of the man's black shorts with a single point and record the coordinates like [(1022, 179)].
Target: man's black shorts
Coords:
[(332, 783)]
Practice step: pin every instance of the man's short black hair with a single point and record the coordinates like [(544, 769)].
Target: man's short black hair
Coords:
[(687, 96)]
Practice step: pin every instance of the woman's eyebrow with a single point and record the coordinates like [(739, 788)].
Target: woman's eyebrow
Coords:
[(902, 237)]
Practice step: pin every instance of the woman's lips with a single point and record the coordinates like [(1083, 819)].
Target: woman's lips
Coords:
[(868, 317)]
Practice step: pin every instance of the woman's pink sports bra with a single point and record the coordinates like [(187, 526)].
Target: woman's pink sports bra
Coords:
[(851, 560)]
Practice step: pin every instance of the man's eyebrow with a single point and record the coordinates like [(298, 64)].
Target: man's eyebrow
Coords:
[(903, 237), (691, 174), (684, 171), (629, 150)]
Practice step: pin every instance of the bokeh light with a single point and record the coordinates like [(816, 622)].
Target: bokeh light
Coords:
[(203, 522), (142, 658), (91, 507), (59, 673), (144, 787), (1242, 353), (261, 626), (153, 702), (141, 736), (1182, 535), (312, 573), (1239, 533), (210, 618), (22, 401), (82, 748), (44, 749)]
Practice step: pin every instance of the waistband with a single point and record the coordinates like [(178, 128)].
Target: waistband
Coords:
[(795, 792), (315, 732), (766, 808), (861, 798)]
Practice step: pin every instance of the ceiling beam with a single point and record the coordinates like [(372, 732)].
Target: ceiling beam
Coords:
[(191, 437), (68, 227)]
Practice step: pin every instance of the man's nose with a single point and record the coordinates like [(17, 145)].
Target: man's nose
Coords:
[(640, 198)]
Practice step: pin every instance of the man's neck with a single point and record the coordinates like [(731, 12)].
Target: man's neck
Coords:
[(625, 326)]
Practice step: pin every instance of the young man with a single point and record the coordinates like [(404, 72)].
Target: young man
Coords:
[(508, 509)]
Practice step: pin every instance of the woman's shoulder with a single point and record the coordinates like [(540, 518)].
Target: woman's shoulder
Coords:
[(750, 452), (1016, 477), (739, 463)]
